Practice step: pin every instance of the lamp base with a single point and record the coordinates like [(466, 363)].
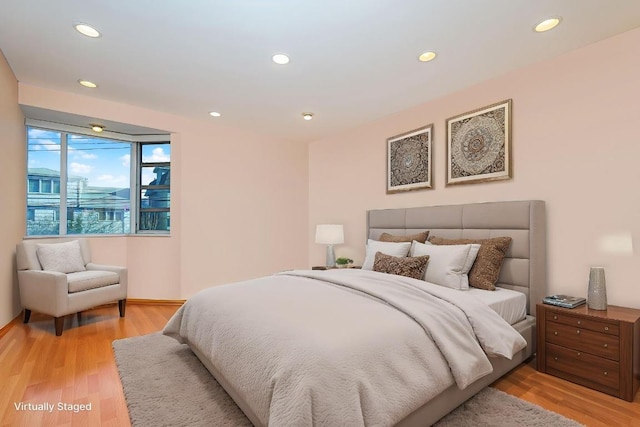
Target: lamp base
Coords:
[(597, 296), (331, 256)]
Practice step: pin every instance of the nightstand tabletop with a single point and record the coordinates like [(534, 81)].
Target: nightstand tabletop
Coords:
[(613, 312)]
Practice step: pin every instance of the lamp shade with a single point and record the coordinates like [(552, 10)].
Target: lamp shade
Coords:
[(620, 244), (329, 234)]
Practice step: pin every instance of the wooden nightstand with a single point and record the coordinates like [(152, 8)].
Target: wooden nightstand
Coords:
[(599, 349)]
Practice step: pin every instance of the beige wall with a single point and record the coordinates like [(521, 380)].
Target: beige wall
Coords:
[(238, 201), (12, 189), (575, 145), (241, 201)]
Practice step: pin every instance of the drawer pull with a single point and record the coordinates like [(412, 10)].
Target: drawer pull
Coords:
[(578, 332), (606, 328), (579, 354), (555, 358), (605, 373), (555, 333), (579, 322), (555, 317), (606, 346)]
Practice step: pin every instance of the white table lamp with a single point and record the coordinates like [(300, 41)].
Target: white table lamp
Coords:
[(330, 234)]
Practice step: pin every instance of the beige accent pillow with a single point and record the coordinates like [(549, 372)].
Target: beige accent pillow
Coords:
[(486, 270), (389, 248), (418, 237), (413, 267), (61, 257), (449, 265)]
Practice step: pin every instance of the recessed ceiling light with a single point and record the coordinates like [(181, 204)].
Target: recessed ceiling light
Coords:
[(215, 114), (87, 30), (307, 116), (427, 56), (547, 24), (87, 83), (97, 128), (280, 58)]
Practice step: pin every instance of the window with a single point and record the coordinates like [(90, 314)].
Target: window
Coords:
[(45, 186), (43, 159), (98, 175), (34, 185), (155, 182)]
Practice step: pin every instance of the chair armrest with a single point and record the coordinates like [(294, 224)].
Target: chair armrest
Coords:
[(44, 291), (120, 271)]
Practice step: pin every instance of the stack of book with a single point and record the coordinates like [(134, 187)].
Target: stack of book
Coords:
[(565, 301)]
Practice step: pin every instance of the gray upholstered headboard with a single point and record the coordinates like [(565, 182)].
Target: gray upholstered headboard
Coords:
[(524, 267)]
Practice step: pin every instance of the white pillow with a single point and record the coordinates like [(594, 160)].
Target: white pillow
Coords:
[(62, 257), (448, 264), (387, 248)]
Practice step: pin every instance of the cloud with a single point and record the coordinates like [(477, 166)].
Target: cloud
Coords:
[(79, 168), (50, 146), (113, 181), (45, 144), (44, 140), (157, 155), (147, 176), (79, 154), (87, 156), (126, 160)]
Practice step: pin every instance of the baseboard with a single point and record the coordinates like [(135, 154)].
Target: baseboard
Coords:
[(142, 301), (133, 301), (9, 325)]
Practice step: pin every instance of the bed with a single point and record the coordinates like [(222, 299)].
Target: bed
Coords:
[(358, 315)]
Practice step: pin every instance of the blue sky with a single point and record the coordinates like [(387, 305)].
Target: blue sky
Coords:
[(104, 162)]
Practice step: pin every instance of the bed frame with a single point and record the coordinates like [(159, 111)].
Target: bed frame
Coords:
[(524, 270)]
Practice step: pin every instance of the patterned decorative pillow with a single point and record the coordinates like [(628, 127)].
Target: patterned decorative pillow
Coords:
[(418, 237), (61, 257), (413, 267), (486, 270)]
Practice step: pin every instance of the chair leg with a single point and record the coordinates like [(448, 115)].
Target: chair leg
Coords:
[(27, 315), (59, 321), (122, 305)]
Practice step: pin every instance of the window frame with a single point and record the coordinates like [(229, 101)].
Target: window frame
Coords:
[(136, 141), (142, 187)]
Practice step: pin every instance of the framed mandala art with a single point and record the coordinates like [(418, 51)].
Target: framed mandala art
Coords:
[(409, 160), (479, 145)]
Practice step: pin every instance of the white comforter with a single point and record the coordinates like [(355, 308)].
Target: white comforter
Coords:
[(341, 347)]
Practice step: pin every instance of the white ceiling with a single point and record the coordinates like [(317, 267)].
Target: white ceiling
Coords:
[(352, 61)]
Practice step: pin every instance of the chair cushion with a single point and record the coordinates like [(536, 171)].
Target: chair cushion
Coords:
[(61, 257), (91, 279)]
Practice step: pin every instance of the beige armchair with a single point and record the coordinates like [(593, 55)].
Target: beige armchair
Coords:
[(59, 279)]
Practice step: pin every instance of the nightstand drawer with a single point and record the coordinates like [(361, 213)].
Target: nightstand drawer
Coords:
[(585, 340), (588, 368), (611, 328), (603, 341)]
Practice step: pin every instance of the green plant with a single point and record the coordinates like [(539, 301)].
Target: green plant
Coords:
[(344, 261)]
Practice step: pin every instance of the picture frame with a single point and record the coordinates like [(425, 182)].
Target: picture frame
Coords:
[(409, 160), (479, 145)]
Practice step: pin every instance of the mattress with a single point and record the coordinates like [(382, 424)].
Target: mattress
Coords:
[(510, 305)]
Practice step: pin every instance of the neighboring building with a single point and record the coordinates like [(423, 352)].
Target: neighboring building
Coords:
[(90, 210), (154, 206)]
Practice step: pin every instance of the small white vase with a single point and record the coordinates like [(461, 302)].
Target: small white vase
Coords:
[(597, 296)]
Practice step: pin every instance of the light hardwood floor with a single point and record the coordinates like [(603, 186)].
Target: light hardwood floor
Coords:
[(78, 367)]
